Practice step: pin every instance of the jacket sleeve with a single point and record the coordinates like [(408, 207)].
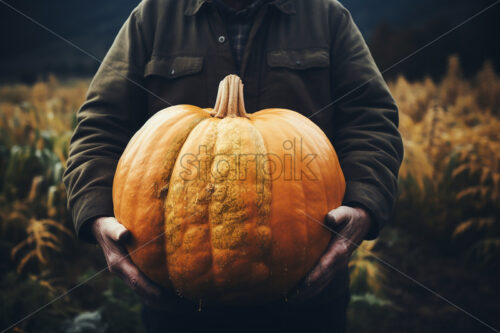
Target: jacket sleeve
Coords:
[(114, 109), (365, 120)]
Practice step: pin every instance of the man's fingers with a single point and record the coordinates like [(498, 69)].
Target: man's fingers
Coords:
[(110, 233), (309, 288), (336, 256), (328, 264), (137, 281), (319, 270), (338, 216), (335, 259)]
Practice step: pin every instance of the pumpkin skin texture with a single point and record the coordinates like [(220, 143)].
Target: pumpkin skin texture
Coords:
[(223, 205)]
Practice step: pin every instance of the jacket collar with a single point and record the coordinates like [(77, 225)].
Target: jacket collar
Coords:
[(286, 6)]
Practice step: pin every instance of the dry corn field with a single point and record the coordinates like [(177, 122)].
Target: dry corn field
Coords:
[(449, 188)]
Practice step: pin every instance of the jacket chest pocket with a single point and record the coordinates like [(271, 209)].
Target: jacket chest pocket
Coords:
[(176, 79), (303, 59), (173, 67), (298, 79)]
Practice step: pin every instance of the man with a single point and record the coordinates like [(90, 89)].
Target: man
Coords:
[(304, 55)]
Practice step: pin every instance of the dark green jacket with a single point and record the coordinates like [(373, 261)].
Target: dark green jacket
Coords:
[(304, 55)]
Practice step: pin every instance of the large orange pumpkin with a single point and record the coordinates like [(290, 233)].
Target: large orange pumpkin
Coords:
[(223, 205)]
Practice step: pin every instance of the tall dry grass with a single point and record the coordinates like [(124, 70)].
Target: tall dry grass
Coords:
[(35, 127), (450, 177)]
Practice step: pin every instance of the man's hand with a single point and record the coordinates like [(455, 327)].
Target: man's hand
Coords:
[(110, 234), (350, 226)]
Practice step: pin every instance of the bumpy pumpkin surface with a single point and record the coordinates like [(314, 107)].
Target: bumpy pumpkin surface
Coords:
[(223, 205)]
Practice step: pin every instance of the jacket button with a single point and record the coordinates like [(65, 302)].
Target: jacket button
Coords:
[(222, 39)]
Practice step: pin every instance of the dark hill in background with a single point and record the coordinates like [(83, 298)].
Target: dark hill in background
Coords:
[(393, 29), (28, 50), (420, 22)]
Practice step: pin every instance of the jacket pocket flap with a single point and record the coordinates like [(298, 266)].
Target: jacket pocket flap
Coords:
[(299, 59), (172, 67)]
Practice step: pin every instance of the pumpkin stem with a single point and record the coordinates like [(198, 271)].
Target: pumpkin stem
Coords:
[(230, 102)]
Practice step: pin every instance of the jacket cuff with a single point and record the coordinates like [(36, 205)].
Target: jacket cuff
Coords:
[(368, 197), (89, 206)]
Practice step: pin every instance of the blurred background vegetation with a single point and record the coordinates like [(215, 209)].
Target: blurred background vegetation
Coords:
[(445, 232)]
